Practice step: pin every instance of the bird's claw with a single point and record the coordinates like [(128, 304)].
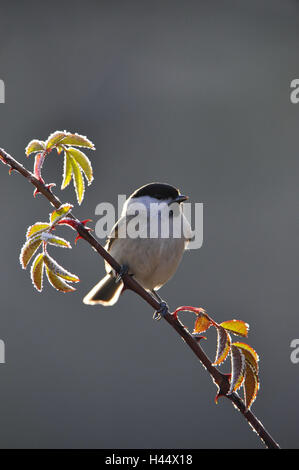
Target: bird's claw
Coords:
[(163, 310), (123, 271)]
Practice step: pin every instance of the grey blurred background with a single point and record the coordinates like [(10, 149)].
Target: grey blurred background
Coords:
[(193, 93)]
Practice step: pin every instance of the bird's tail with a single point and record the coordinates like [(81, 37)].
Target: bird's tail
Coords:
[(105, 292)]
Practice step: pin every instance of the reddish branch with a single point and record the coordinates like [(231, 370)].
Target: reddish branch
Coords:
[(220, 379)]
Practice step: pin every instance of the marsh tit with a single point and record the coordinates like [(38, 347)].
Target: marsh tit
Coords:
[(153, 256)]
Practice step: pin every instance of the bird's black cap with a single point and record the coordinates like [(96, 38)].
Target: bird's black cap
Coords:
[(159, 191)]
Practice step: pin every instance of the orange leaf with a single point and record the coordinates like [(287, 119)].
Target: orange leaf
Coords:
[(238, 327), (202, 323), (251, 385)]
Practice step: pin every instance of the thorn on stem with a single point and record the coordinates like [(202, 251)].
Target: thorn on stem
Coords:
[(198, 337)]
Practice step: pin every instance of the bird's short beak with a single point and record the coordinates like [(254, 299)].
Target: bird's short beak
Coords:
[(181, 198)]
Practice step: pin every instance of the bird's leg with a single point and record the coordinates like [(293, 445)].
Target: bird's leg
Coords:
[(158, 314), (123, 271)]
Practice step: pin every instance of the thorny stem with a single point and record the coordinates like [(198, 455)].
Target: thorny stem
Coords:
[(219, 378)]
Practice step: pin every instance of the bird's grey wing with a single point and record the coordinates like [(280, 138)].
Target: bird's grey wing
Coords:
[(112, 237), (114, 234)]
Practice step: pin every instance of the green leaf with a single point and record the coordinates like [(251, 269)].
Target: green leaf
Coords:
[(59, 270), (37, 229), (58, 283), (77, 140), (78, 180), (67, 171), (83, 161), (37, 269), (28, 250), (60, 213), (55, 139), (35, 146)]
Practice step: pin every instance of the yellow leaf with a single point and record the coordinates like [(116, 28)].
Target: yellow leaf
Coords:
[(36, 229), (67, 171), (28, 250), (238, 327), (37, 272), (77, 140), (55, 139), (57, 241), (58, 283), (59, 270), (60, 213), (35, 146), (78, 180), (83, 161)]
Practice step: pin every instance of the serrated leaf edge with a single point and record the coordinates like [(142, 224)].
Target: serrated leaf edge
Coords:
[(37, 260), (26, 245), (51, 275), (59, 270)]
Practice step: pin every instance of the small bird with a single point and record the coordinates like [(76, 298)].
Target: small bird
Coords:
[(152, 257)]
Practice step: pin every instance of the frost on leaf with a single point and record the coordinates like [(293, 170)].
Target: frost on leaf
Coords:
[(55, 139), (57, 241), (37, 269), (244, 359), (35, 146), (250, 354), (57, 282), (38, 164), (202, 323), (251, 385), (237, 368), (223, 345), (60, 138), (59, 270), (78, 180), (76, 163), (67, 171), (82, 161), (28, 250), (77, 140), (60, 213), (36, 229), (238, 327)]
